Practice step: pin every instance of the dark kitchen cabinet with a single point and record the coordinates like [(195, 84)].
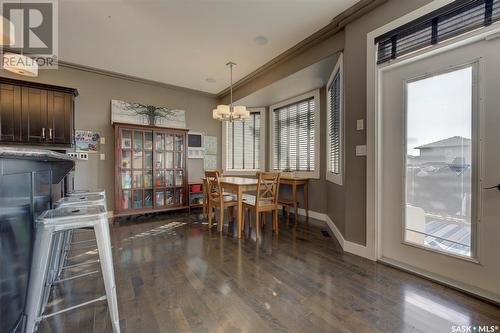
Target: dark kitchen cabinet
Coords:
[(33, 113), (10, 113), (60, 117)]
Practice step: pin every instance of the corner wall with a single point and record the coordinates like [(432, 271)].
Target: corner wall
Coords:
[(351, 219)]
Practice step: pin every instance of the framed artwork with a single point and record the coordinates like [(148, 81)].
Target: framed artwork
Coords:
[(87, 141), (210, 162), (141, 114), (210, 145)]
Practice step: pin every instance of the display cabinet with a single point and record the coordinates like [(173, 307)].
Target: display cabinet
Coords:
[(151, 172)]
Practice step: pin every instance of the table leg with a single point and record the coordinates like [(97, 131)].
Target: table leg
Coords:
[(294, 198), (205, 198), (306, 201), (240, 211)]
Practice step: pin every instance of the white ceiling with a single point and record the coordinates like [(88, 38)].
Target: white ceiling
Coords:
[(184, 42), (305, 80)]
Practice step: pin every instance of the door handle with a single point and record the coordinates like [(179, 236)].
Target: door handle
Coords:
[(43, 133), (50, 133), (493, 187)]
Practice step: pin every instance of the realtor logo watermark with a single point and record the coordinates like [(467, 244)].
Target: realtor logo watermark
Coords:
[(35, 24), (475, 328)]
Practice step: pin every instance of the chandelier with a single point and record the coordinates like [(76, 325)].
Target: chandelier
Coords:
[(230, 112)]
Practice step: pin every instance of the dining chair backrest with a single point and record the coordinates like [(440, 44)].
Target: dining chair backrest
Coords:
[(213, 182), (218, 170), (268, 187)]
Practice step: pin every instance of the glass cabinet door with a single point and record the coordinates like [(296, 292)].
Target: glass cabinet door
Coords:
[(136, 168), (169, 164), (125, 165)]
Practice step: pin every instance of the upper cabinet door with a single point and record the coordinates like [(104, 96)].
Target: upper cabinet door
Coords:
[(34, 111), (60, 117), (10, 113)]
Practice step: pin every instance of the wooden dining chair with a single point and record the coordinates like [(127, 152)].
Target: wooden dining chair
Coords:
[(218, 199), (205, 191), (265, 200)]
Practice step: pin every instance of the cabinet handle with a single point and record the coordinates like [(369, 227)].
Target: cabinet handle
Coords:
[(43, 133), (50, 133)]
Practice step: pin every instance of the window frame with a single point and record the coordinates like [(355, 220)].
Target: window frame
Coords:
[(330, 176), (262, 155), (317, 132)]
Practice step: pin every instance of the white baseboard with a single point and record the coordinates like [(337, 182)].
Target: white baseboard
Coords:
[(478, 292), (347, 246)]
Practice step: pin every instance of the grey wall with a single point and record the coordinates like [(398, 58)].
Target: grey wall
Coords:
[(93, 112), (347, 204)]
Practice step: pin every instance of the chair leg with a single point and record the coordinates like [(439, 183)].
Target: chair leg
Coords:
[(248, 218), (38, 276), (221, 219), (209, 213), (276, 221), (106, 259), (257, 225), (287, 216)]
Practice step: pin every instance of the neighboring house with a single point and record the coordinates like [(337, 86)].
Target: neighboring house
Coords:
[(456, 150)]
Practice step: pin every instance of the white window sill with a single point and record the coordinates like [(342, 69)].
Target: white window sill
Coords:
[(334, 178)]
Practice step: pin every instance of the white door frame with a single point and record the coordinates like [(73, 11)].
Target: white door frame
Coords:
[(374, 179)]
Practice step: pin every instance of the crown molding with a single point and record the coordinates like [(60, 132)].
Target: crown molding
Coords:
[(116, 75), (131, 78), (336, 25)]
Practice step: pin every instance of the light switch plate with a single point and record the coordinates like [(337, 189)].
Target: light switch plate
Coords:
[(361, 150), (103, 156), (103, 140), (83, 156), (360, 124)]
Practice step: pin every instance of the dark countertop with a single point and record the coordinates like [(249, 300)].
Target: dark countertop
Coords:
[(44, 155)]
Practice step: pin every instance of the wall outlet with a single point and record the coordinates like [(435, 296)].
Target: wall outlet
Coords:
[(361, 150), (83, 156), (103, 140), (72, 155)]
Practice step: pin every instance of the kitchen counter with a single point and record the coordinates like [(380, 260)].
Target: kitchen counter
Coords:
[(27, 178)]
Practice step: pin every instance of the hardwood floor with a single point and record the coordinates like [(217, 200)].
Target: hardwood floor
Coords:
[(173, 275)]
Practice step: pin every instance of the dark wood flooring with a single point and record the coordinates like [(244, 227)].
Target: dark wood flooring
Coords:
[(173, 275)]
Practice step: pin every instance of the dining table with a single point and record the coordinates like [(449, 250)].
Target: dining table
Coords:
[(237, 186)]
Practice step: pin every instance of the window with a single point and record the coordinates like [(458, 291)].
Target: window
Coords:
[(244, 144), (440, 167), (295, 135), (452, 20), (335, 124)]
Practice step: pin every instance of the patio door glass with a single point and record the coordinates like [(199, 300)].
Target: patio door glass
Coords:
[(439, 144)]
